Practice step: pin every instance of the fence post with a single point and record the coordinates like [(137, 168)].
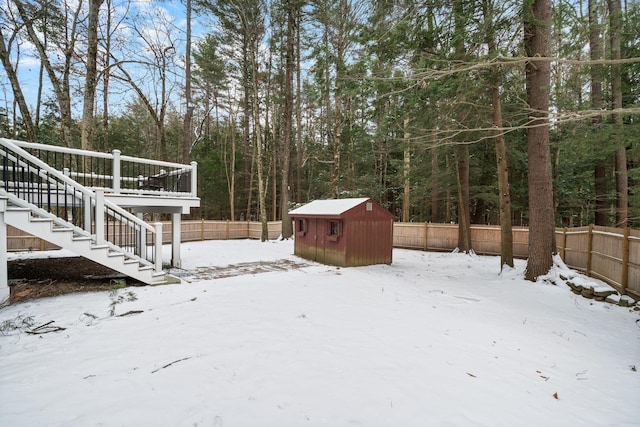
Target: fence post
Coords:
[(202, 229), (227, 234), (589, 249), (564, 243), (624, 280), (116, 171), (426, 235)]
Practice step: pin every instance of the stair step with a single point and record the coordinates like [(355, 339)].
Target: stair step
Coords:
[(49, 228), (40, 219), (114, 254)]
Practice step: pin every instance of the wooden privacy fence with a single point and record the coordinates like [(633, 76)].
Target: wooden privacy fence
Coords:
[(609, 254)]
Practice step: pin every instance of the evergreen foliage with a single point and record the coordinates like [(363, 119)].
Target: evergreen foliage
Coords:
[(373, 79)]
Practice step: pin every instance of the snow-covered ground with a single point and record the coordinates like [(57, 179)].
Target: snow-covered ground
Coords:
[(432, 340)]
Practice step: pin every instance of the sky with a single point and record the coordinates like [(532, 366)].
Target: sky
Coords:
[(257, 336), (29, 63)]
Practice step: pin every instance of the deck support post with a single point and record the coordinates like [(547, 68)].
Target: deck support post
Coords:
[(158, 247), (176, 228)]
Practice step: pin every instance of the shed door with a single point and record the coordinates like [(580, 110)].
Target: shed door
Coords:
[(318, 230)]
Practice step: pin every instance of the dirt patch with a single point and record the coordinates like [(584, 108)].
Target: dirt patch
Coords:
[(216, 272), (46, 277)]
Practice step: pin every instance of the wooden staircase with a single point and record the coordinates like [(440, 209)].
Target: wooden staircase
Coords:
[(41, 193), (67, 236)]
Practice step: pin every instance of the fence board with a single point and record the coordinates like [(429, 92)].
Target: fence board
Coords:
[(18, 240)]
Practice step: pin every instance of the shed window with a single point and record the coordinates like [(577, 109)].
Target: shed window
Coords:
[(334, 229), (302, 226)]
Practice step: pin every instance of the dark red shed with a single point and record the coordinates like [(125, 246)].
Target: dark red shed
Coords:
[(344, 232)]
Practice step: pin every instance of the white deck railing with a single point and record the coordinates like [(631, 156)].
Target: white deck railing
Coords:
[(28, 181), (115, 173)]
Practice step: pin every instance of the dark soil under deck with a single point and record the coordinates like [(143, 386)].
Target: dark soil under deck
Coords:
[(38, 278)]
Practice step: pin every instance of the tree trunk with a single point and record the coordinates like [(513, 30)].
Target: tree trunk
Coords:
[(335, 173), (435, 186), (231, 175), (406, 169), (106, 79), (464, 213), (299, 148), (600, 172), (187, 134), (60, 85), (91, 80), (285, 168), (246, 123), (622, 183), (462, 150), (506, 229), (17, 91), (504, 196), (258, 138), (537, 27)]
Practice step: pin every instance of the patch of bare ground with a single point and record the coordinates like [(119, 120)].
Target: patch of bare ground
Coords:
[(46, 277), (221, 272)]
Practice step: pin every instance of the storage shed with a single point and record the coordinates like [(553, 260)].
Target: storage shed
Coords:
[(344, 232)]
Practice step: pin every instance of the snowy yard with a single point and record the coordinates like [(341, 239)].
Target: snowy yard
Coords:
[(432, 340)]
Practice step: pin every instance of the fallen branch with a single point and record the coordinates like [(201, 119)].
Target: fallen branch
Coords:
[(129, 313), (169, 364), (45, 329), (43, 325)]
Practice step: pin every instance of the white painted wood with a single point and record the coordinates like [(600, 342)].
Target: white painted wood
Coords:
[(105, 254), (4, 276), (158, 246), (58, 231), (176, 238)]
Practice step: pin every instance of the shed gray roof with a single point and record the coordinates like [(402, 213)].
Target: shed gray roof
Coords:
[(328, 207)]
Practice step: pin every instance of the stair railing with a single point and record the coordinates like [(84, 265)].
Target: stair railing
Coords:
[(30, 182), (116, 173)]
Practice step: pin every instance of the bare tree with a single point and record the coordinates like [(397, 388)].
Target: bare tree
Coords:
[(504, 195), (155, 57), (66, 41), (91, 80), (187, 132), (15, 84)]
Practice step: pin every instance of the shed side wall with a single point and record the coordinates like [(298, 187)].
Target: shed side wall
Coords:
[(369, 236)]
